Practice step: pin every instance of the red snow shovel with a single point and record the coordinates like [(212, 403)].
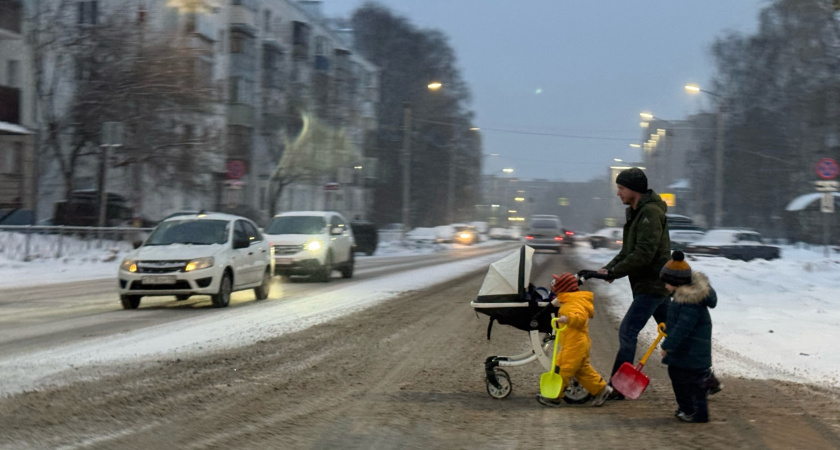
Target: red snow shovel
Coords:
[(630, 380)]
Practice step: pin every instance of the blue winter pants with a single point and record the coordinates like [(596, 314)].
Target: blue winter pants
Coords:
[(643, 307), (690, 391)]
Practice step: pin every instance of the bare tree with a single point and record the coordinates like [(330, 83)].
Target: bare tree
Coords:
[(110, 66)]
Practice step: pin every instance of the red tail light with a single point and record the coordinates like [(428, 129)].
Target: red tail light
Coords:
[(570, 233), (529, 237), (558, 238)]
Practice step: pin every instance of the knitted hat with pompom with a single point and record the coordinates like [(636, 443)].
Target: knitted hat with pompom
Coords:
[(676, 272)]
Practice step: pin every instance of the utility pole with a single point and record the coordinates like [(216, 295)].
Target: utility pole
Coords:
[(406, 163), (718, 219), (450, 194), (111, 137)]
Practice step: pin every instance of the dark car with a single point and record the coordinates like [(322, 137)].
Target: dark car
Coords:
[(733, 243), (366, 235), (610, 237)]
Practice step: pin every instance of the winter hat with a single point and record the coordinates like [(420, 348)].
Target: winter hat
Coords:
[(676, 272), (633, 179), (565, 282)]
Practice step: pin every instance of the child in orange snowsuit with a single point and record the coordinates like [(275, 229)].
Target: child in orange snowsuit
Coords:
[(576, 308)]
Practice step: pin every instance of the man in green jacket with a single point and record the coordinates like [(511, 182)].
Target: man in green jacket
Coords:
[(646, 248)]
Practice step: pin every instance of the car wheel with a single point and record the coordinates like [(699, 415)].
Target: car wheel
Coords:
[(130, 301), (347, 270), (222, 298), (261, 291), (326, 271)]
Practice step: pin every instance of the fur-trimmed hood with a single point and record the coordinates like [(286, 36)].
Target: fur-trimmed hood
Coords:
[(698, 292)]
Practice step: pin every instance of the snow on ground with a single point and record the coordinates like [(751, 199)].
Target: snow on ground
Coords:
[(774, 319)]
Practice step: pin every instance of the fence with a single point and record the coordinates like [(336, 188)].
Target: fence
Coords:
[(28, 242)]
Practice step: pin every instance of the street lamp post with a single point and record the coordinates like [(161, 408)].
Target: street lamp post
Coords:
[(406, 163), (719, 143)]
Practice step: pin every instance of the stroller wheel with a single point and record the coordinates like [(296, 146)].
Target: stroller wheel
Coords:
[(504, 382), (575, 393)]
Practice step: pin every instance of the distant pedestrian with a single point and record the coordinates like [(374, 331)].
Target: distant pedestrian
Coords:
[(576, 308), (687, 350), (646, 248)]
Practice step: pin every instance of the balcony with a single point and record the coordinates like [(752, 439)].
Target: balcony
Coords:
[(9, 104), (11, 14)]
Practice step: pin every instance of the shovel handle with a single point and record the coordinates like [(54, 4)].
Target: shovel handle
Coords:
[(661, 329), (554, 325)]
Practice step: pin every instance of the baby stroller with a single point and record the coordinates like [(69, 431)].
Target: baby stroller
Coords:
[(508, 297)]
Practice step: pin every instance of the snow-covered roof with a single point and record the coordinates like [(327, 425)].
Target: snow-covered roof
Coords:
[(682, 183), (13, 128), (802, 202)]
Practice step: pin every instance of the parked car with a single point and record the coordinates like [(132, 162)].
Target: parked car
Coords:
[(81, 209), (610, 237), (545, 232), (311, 243), (211, 254), (366, 236), (733, 243), (681, 238)]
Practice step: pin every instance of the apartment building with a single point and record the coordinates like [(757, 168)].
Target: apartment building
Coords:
[(291, 92), (17, 156)]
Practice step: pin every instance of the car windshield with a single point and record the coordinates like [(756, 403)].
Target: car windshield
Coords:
[(297, 225), (196, 232)]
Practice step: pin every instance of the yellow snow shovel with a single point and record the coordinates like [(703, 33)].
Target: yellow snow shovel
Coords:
[(551, 383)]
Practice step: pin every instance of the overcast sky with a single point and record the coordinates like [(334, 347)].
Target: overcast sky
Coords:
[(574, 68)]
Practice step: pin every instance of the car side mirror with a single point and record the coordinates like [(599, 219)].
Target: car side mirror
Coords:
[(136, 244), (336, 231), (241, 243)]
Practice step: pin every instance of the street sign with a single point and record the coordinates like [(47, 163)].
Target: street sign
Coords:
[(827, 169), (827, 203), (669, 199), (236, 169), (827, 185)]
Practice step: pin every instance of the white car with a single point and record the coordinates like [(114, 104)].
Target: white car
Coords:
[(312, 243), (198, 254)]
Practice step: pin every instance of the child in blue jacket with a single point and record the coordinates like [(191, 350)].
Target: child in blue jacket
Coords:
[(687, 350)]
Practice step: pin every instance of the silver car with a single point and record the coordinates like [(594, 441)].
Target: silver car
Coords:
[(545, 232)]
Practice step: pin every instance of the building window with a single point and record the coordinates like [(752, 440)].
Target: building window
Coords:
[(267, 21), (320, 46), (13, 73), (240, 90), (88, 12), (11, 158)]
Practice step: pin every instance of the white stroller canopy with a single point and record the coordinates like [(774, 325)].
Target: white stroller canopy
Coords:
[(503, 275)]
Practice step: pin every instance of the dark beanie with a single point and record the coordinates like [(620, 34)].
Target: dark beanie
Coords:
[(676, 272), (633, 179)]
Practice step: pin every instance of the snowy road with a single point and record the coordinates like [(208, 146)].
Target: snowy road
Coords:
[(48, 333)]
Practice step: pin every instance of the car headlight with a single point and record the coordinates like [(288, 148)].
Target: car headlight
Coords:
[(128, 265), (313, 246), (199, 263)]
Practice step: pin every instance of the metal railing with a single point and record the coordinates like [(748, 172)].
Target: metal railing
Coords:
[(29, 242)]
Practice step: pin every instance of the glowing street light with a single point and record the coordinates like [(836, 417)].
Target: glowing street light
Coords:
[(435, 85), (636, 145), (718, 217), (646, 115)]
